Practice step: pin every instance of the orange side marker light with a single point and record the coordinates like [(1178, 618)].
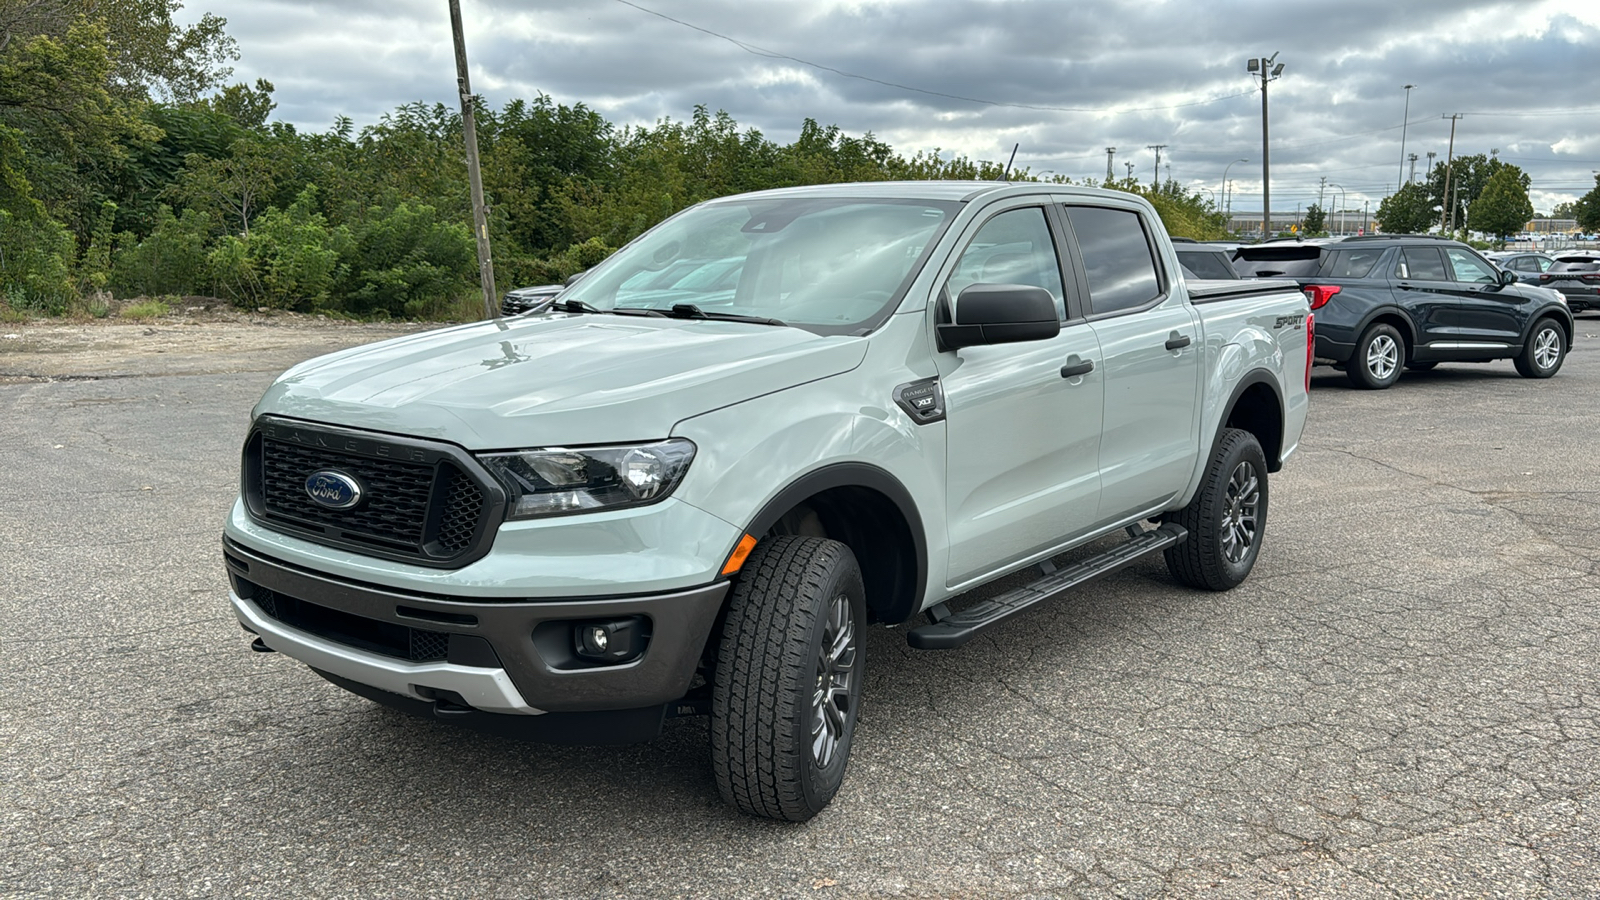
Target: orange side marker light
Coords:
[(739, 555)]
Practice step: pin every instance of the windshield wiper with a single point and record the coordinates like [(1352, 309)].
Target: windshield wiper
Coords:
[(690, 311), (577, 306)]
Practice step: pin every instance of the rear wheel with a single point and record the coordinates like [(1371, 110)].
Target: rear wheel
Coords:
[(789, 676), (1379, 356), (1544, 351), (1226, 518)]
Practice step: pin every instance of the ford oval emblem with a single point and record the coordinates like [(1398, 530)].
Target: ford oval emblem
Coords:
[(333, 489)]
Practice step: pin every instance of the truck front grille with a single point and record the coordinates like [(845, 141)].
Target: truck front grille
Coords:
[(419, 501)]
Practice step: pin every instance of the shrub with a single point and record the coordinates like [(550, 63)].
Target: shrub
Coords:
[(35, 270), (150, 309), (405, 262), (172, 260)]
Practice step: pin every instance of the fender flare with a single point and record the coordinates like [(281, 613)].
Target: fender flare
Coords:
[(854, 474), (1405, 317), (1250, 380)]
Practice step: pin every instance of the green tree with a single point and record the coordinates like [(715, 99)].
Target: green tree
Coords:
[(1315, 221), (234, 188), (1407, 211), (1503, 207), (1567, 210), (1588, 208), (1469, 175)]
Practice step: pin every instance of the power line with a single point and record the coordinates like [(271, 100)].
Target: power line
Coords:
[(773, 54)]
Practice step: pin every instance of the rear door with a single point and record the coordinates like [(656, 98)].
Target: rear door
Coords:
[(1422, 286), (1150, 350)]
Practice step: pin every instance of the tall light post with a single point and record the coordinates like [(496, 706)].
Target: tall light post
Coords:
[(1228, 197), (1264, 67), (469, 130), (1340, 203), (1403, 122), (1227, 194)]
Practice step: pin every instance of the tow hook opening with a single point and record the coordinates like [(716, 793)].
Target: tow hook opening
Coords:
[(445, 703)]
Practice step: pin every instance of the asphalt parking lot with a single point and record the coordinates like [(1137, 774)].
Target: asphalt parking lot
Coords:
[(1401, 701)]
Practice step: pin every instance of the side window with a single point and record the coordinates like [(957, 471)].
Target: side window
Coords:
[(1350, 263), (1421, 263), (1014, 247), (1525, 264), (1117, 257), (1469, 267), (1543, 265)]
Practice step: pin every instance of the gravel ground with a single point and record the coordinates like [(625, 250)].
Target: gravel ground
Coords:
[(1401, 701)]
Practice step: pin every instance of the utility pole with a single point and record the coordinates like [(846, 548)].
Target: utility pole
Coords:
[(1155, 176), (1322, 188), (1111, 153), (1413, 176), (1130, 170), (1448, 214), (1263, 66), (469, 130)]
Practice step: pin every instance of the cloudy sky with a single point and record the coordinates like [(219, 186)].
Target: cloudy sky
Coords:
[(1065, 79)]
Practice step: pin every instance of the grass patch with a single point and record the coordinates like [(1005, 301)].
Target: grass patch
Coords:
[(149, 309)]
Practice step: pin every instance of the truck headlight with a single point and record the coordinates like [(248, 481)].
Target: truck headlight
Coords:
[(553, 481)]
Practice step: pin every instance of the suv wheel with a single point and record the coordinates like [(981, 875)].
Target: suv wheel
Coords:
[(1226, 518), (789, 676), (1544, 351), (1379, 356)]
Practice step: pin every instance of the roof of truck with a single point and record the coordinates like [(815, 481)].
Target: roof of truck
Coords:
[(933, 190)]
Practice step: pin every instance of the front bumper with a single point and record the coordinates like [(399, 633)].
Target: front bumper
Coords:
[(512, 657)]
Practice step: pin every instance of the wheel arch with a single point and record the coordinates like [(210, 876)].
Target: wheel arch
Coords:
[(1397, 317), (1562, 317), (1256, 405), (868, 510)]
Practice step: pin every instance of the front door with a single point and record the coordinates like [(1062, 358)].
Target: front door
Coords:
[(1488, 312), (1023, 441)]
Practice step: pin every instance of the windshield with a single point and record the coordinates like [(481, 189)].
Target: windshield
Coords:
[(828, 265)]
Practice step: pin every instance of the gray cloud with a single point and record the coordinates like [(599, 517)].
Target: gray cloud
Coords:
[(1517, 68)]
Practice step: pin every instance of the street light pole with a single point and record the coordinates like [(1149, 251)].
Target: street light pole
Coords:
[(1263, 66), (1227, 191), (1403, 121), (1341, 206)]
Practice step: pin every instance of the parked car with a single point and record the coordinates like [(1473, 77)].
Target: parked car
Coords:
[(1203, 261), (1526, 265), (1576, 274), (529, 299), (643, 505), (1385, 303)]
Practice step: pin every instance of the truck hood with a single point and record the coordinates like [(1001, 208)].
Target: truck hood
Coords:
[(556, 379)]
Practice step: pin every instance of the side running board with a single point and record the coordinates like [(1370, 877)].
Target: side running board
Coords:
[(955, 630)]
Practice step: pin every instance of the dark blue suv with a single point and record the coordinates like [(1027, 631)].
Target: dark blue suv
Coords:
[(1384, 303)]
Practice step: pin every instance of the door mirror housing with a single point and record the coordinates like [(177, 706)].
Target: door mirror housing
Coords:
[(1000, 314), (1507, 277)]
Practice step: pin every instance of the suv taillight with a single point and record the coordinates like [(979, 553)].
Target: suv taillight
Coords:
[(1320, 294), (1590, 278), (1311, 346), (1543, 277)]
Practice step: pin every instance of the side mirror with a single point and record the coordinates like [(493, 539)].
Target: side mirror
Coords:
[(1507, 277), (573, 278), (1000, 314)]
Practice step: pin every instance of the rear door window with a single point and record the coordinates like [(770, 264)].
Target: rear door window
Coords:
[(1117, 258), (1351, 263), (1422, 264)]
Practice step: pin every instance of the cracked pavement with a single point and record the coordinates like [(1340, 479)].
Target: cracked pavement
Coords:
[(1401, 701)]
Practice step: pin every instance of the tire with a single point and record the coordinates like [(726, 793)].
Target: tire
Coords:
[(1226, 519), (1380, 355), (779, 743), (1544, 351), (1421, 366)]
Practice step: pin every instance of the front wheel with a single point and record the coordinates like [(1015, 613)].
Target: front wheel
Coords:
[(1379, 356), (1544, 351), (789, 675), (1226, 518)]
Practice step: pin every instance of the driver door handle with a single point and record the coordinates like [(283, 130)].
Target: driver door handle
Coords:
[(1177, 341), (1076, 367)]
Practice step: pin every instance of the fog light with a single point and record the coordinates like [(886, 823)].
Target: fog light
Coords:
[(611, 641)]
